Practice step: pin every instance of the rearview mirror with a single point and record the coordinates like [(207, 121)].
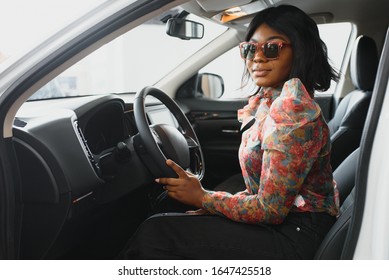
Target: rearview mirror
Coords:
[(184, 29)]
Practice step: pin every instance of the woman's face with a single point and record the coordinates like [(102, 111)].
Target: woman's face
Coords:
[(266, 72)]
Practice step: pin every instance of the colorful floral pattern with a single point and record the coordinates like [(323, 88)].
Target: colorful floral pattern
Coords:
[(284, 157)]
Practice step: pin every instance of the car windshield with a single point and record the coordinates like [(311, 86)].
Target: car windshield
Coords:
[(138, 58), (24, 24)]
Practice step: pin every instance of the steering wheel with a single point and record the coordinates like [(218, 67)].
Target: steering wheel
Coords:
[(158, 142)]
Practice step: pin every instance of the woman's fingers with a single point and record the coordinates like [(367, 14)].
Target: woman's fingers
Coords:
[(172, 194), (168, 181), (182, 174), (178, 169), (170, 188)]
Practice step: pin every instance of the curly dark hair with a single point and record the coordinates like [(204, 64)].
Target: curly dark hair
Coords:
[(310, 59)]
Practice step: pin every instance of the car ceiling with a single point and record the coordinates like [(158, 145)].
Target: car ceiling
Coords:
[(342, 10), (370, 16)]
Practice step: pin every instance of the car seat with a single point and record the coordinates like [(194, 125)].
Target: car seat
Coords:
[(347, 124), (332, 244)]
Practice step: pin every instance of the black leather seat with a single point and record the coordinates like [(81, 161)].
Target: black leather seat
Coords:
[(347, 124), (332, 245)]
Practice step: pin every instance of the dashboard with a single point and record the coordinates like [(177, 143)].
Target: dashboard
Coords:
[(81, 132), (72, 162), (105, 127)]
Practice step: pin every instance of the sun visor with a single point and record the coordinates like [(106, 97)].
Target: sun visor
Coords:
[(216, 6), (236, 12)]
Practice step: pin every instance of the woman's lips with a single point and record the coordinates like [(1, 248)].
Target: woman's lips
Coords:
[(260, 72)]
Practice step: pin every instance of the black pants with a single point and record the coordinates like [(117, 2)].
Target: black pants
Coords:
[(183, 236)]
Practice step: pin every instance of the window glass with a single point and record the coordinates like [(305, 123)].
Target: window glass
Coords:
[(132, 61), (230, 66), (336, 36)]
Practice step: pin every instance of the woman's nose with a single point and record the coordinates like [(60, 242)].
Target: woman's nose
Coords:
[(259, 56)]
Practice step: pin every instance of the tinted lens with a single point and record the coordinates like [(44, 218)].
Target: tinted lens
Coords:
[(271, 50), (247, 51)]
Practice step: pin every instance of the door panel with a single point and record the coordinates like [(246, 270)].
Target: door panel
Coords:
[(10, 201), (218, 130)]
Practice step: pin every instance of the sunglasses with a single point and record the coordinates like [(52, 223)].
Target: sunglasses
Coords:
[(271, 50)]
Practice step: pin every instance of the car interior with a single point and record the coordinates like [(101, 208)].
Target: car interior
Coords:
[(86, 163)]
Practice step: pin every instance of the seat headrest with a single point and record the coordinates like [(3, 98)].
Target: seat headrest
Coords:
[(364, 63)]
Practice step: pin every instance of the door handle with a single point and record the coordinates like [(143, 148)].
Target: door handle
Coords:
[(230, 131)]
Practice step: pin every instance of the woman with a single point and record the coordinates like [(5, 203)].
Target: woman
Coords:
[(290, 201)]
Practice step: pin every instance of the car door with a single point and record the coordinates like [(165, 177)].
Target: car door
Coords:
[(9, 200)]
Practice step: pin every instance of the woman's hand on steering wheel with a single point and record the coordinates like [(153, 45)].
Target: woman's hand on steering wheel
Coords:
[(186, 188)]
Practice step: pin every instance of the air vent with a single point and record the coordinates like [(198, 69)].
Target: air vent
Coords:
[(86, 149)]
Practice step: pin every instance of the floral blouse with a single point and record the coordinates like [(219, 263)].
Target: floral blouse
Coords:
[(284, 157)]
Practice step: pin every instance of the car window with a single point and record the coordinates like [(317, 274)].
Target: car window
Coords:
[(230, 66), (338, 38), (138, 58)]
